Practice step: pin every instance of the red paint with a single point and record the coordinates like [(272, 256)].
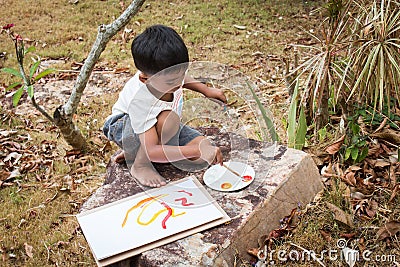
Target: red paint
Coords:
[(247, 178), (184, 201), (167, 216), (183, 191)]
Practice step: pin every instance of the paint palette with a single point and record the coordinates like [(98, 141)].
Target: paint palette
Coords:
[(220, 178)]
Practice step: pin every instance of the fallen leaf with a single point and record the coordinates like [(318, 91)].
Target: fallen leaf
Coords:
[(388, 135), (350, 178), (394, 192), (340, 215), (327, 236), (371, 208), (380, 163), (28, 250), (383, 123), (348, 236), (374, 150), (354, 168), (389, 229), (253, 251), (335, 146)]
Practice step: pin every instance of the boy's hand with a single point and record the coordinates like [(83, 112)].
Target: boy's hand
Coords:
[(216, 94), (209, 153)]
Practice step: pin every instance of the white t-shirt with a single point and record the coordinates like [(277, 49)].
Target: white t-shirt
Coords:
[(142, 106)]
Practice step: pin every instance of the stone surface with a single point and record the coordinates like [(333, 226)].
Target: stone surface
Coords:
[(285, 178)]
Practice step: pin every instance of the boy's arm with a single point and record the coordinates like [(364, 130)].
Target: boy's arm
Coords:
[(192, 84), (166, 153)]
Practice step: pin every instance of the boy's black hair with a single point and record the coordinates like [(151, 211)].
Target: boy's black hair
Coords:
[(157, 48)]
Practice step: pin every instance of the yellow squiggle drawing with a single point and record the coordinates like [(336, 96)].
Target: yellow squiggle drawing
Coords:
[(145, 203)]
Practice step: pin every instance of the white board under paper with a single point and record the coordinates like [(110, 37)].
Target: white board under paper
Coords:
[(147, 217)]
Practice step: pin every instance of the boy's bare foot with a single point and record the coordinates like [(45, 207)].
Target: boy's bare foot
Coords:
[(120, 158), (147, 175)]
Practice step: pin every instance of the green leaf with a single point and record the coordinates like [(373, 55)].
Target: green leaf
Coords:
[(347, 153), (13, 86), (29, 89), (44, 73), (30, 49), (17, 96), (322, 133), (301, 130), (268, 121), (33, 69), (291, 130), (354, 153), (12, 72), (363, 155)]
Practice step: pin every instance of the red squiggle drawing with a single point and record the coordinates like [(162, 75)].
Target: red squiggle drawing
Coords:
[(183, 191), (184, 202), (169, 214)]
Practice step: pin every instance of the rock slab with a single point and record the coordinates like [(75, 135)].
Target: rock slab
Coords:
[(285, 178)]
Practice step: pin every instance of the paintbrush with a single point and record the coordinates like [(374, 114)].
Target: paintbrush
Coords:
[(232, 171)]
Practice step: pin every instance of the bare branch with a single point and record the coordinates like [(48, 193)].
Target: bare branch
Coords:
[(105, 33)]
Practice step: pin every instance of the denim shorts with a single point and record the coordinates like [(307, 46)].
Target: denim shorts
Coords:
[(119, 130)]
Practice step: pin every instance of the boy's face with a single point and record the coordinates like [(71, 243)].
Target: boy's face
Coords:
[(167, 81)]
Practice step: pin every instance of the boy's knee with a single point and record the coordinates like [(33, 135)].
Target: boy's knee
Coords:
[(168, 124)]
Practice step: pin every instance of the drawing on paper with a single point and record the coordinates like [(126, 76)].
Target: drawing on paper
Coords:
[(144, 204), (149, 218)]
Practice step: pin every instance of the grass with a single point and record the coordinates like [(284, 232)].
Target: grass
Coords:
[(38, 208)]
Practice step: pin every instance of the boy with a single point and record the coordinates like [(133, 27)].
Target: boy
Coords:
[(145, 120)]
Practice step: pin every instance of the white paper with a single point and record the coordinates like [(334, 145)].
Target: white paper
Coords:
[(145, 218)]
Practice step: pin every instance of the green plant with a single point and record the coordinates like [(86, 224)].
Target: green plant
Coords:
[(374, 54), (26, 81), (356, 58), (356, 145), (296, 130), (267, 120), (318, 73)]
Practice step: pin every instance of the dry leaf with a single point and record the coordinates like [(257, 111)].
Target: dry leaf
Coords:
[(350, 178), (327, 236), (354, 168), (394, 192), (335, 147), (380, 163), (374, 150), (383, 123), (388, 135), (340, 215), (389, 229), (371, 208), (28, 250), (348, 236)]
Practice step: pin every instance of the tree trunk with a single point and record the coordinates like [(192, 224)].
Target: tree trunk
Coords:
[(63, 115)]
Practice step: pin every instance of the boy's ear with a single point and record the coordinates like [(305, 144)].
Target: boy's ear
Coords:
[(143, 77)]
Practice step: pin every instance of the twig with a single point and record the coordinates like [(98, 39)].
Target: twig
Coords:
[(48, 251)]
